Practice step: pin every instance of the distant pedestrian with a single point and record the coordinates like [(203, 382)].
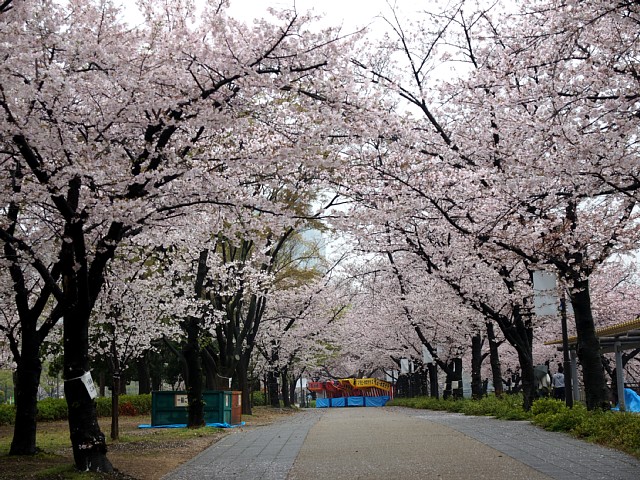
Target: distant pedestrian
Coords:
[(557, 382)]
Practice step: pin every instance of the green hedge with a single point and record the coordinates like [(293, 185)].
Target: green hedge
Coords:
[(509, 407), (7, 414), (51, 409)]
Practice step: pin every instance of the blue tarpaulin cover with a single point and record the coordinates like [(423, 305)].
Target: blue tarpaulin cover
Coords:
[(631, 401), (184, 425), (380, 401)]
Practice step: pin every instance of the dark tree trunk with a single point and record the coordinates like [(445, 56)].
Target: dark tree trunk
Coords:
[(102, 382), (286, 400), (292, 391), (242, 373), (528, 384), (209, 371), (272, 382), (494, 358), (115, 404), (144, 376), (476, 366), (87, 440), (194, 381), (588, 348), (26, 381), (433, 380)]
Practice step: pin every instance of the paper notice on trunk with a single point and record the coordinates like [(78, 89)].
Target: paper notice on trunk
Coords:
[(88, 383)]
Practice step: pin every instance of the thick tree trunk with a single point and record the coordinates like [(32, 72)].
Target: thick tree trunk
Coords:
[(242, 374), (272, 385), (194, 381), (87, 440), (494, 358), (528, 384), (292, 391), (144, 376), (588, 348), (476, 366), (434, 390), (286, 400), (26, 381)]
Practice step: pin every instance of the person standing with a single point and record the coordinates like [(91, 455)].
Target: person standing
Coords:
[(557, 382)]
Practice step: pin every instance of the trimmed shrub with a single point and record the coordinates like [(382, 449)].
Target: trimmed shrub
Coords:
[(7, 414), (258, 398), (50, 409), (129, 405)]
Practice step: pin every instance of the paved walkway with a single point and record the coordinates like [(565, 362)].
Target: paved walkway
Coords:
[(393, 442)]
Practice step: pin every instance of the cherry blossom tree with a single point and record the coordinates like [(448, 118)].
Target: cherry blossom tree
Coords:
[(109, 130), (493, 155)]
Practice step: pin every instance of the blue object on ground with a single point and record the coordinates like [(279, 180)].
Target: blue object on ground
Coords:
[(631, 401), (322, 403), (379, 401), (184, 425), (355, 401)]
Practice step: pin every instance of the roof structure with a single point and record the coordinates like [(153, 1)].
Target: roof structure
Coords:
[(627, 334), (613, 339)]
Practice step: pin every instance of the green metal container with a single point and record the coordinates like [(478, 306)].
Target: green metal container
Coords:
[(171, 408)]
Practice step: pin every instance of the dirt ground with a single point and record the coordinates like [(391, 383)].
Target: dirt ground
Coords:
[(149, 455)]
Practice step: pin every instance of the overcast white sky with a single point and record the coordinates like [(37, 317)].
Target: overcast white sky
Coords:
[(351, 13)]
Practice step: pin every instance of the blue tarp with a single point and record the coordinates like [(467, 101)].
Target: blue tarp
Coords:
[(631, 401), (380, 401), (184, 425)]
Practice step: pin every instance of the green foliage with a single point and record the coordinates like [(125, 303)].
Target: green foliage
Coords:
[(554, 415), (128, 405), (7, 414), (258, 398), (509, 407), (103, 406), (51, 409)]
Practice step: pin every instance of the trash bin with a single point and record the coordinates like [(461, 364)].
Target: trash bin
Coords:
[(172, 407), (236, 407)]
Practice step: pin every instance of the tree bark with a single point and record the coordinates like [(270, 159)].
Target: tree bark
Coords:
[(434, 390), (588, 347), (26, 381), (191, 352), (286, 399), (494, 358), (87, 440), (272, 382), (528, 383), (476, 366), (115, 404), (242, 374), (144, 376)]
